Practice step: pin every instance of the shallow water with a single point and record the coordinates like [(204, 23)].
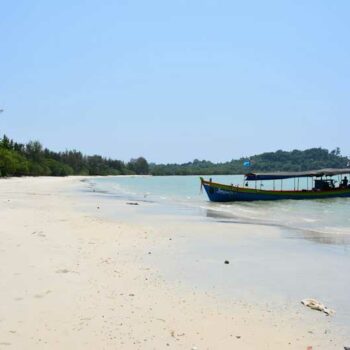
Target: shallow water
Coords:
[(289, 250), (181, 194)]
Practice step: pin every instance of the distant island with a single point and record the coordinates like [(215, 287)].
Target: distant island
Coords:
[(32, 159), (296, 160)]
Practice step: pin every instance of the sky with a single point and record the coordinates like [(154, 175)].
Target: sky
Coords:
[(176, 80)]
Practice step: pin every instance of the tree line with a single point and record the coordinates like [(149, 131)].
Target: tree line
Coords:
[(296, 160), (32, 159)]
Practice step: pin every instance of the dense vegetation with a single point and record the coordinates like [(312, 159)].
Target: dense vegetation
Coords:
[(32, 159), (310, 159)]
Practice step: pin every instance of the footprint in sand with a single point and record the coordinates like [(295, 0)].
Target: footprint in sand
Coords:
[(39, 296), (66, 271), (39, 233)]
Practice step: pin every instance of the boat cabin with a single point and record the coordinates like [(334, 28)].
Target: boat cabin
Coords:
[(324, 184), (322, 179)]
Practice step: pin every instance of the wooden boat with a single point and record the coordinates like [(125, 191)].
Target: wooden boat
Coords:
[(323, 187)]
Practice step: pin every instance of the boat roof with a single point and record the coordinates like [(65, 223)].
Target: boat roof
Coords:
[(288, 175)]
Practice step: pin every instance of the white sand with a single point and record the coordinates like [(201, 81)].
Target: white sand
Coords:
[(70, 280)]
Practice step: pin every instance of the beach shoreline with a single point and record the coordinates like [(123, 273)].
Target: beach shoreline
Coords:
[(72, 278)]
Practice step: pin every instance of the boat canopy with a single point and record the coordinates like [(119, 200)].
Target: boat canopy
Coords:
[(288, 175)]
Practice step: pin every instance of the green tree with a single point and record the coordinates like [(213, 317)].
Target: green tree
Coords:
[(139, 166), (12, 163)]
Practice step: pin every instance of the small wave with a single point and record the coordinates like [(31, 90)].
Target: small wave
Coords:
[(309, 220)]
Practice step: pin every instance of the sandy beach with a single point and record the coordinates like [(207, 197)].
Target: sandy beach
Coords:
[(74, 279)]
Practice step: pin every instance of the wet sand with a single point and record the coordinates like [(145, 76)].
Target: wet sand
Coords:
[(74, 278)]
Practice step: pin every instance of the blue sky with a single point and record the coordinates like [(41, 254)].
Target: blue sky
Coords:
[(176, 80)]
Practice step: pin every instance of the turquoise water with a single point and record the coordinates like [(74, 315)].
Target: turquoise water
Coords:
[(329, 218)]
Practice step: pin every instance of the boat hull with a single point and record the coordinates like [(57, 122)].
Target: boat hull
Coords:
[(224, 193)]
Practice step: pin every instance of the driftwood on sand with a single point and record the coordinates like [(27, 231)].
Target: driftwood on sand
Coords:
[(316, 305)]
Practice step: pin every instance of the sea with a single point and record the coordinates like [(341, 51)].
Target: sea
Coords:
[(182, 195), (283, 251)]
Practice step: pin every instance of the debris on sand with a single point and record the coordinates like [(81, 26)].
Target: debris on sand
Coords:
[(316, 305)]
